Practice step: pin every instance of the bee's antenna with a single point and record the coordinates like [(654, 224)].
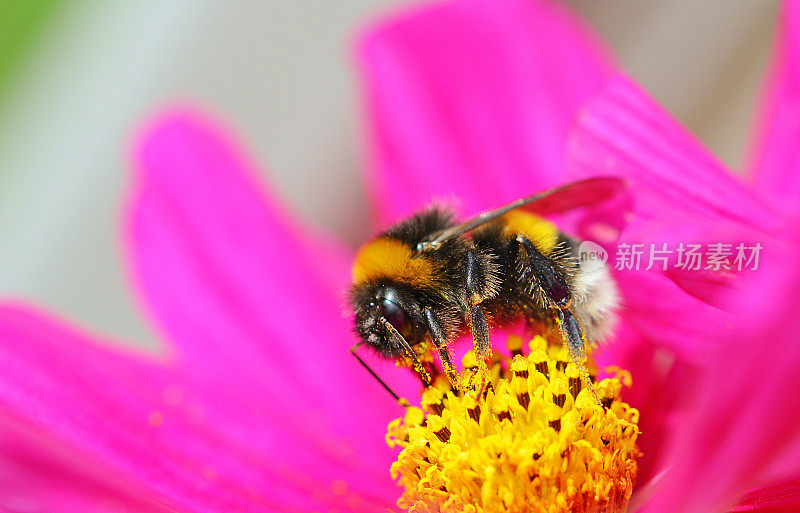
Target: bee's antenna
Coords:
[(386, 387)]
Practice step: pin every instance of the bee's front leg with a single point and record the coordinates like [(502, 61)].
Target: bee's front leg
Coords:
[(477, 317), (440, 342)]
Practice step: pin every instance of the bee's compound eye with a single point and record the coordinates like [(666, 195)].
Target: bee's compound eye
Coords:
[(396, 317)]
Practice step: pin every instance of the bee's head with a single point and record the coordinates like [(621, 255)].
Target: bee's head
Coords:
[(379, 303)]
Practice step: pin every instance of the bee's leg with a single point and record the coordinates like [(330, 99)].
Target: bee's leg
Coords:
[(386, 387), (556, 289), (477, 318), (439, 340), (548, 277), (576, 345), (399, 340)]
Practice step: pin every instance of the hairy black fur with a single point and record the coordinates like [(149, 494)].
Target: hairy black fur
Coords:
[(504, 282)]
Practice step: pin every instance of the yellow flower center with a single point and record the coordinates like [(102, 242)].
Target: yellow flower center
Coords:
[(532, 439)]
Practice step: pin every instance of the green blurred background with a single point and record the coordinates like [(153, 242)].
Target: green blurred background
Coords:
[(77, 77)]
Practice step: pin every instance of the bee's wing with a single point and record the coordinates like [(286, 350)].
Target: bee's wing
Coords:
[(583, 193)]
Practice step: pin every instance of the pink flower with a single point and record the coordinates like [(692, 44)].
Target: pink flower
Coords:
[(257, 405)]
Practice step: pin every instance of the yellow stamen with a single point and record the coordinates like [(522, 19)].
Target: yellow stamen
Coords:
[(531, 439)]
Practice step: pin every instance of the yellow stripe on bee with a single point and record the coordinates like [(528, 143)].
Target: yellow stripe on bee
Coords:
[(540, 231), (389, 258)]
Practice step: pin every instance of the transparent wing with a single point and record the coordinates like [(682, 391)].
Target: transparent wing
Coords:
[(583, 193)]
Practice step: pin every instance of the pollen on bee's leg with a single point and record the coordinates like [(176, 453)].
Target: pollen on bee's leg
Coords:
[(532, 438), (419, 359), (576, 344), (449, 368)]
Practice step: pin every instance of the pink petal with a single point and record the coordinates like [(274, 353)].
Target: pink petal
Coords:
[(253, 304), (680, 194), (40, 474), (783, 497), (624, 132), (150, 427), (36, 472), (68, 388), (776, 159), (473, 100), (785, 465), (743, 419)]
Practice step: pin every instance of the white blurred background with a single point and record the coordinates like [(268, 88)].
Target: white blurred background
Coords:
[(279, 73)]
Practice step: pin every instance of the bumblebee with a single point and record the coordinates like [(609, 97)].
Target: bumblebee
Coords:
[(431, 278)]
